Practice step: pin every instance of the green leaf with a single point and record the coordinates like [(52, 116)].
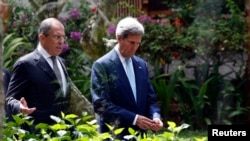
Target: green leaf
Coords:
[(55, 118), (61, 133), (71, 116), (171, 124), (42, 126), (110, 127), (58, 126), (105, 136), (118, 131)]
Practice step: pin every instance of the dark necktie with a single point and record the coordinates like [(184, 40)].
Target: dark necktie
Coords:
[(56, 70), (131, 76)]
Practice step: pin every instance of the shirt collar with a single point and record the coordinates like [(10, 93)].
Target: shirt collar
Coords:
[(119, 54), (43, 52)]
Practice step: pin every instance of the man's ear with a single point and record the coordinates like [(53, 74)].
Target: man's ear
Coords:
[(41, 36), (118, 37)]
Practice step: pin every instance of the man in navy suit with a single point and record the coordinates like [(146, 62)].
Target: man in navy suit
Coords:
[(117, 102), (34, 89)]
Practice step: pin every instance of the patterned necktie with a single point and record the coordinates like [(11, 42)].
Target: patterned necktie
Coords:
[(56, 70), (131, 76)]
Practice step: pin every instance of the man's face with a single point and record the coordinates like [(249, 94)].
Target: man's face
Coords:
[(54, 41), (129, 45)]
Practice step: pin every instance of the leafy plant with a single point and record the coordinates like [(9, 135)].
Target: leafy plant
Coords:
[(72, 127), (13, 48), (166, 91), (210, 98)]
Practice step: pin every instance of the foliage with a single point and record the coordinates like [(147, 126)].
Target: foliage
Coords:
[(165, 91), (192, 30), (71, 127), (208, 99), (157, 48), (13, 49), (21, 21), (211, 33)]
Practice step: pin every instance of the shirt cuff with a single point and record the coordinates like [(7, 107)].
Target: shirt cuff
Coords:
[(134, 122)]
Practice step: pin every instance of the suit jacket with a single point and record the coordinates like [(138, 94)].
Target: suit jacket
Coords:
[(6, 79), (34, 79), (112, 95)]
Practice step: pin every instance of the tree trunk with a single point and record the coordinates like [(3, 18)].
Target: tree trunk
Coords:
[(1, 75), (79, 103), (247, 90)]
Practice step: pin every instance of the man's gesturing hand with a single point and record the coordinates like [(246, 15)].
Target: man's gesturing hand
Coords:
[(24, 107)]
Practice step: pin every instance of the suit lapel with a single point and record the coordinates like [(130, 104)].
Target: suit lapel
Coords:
[(118, 70), (66, 75), (138, 77), (44, 65), (64, 68)]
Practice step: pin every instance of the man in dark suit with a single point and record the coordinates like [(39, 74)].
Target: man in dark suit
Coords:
[(6, 79), (118, 102), (34, 88)]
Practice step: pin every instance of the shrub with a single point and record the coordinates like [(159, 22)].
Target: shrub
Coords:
[(73, 128)]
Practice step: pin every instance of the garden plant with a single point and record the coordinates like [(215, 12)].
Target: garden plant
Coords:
[(197, 39), (84, 128)]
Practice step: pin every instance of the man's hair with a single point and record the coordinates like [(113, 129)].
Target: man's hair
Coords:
[(129, 26), (45, 27)]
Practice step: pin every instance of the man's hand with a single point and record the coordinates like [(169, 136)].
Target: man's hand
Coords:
[(24, 107), (144, 122), (157, 125)]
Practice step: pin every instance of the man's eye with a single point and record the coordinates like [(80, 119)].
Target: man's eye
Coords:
[(134, 43)]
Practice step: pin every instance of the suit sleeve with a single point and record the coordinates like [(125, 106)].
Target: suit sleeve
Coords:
[(153, 107), (154, 110), (16, 88)]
